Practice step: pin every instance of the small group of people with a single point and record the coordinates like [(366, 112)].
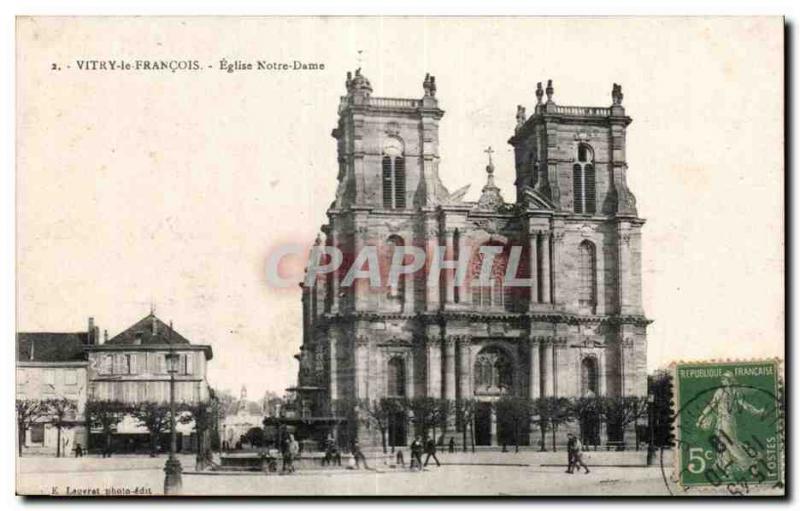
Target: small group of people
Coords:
[(417, 450), (575, 455)]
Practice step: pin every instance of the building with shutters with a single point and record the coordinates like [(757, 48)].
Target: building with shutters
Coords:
[(131, 367), (576, 328), (53, 365)]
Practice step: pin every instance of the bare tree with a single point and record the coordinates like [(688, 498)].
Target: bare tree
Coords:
[(514, 412), (105, 415), (29, 411), (380, 413), (466, 413), (620, 412), (61, 410), (153, 416)]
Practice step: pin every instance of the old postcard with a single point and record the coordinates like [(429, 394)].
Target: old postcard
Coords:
[(400, 256)]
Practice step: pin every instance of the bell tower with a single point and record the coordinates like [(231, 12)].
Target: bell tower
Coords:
[(388, 148), (573, 156)]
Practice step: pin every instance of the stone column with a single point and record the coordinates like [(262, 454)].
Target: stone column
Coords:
[(449, 354), (361, 355), (333, 366), (547, 369), (410, 375), (533, 256), (623, 268), (431, 288), (493, 430), (601, 374), (556, 240), (434, 351), (334, 276), (535, 377), (464, 369), (449, 275), (409, 286), (545, 247), (360, 286)]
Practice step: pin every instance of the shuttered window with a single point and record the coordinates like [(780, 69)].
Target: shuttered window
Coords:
[(577, 187), (583, 181), (394, 182)]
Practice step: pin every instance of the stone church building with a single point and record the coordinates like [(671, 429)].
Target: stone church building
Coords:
[(576, 329)]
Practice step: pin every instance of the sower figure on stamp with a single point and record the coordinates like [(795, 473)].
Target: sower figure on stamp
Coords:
[(720, 416)]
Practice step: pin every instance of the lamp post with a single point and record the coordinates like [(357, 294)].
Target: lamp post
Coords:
[(172, 469), (651, 449)]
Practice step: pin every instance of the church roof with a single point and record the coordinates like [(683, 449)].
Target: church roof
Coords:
[(148, 330)]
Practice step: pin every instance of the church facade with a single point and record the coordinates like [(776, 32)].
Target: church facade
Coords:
[(575, 328)]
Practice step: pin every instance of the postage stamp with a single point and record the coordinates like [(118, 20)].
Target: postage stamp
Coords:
[(729, 425)]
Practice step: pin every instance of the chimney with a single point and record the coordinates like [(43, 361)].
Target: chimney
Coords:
[(154, 324), (105, 335), (91, 337)]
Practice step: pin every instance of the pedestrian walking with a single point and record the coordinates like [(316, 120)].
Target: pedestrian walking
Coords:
[(399, 458), (287, 454), (78, 450), (570, 451), (294, 452), (430, 450), (416, 453), (575, 455), (358, 456), (452, 445)]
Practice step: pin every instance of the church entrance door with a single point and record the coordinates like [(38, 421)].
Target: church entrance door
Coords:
[(483, 424), (397, 429)]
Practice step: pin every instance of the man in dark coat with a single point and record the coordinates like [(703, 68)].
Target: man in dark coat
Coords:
[(358, 456), (430, 450), (416, 453)]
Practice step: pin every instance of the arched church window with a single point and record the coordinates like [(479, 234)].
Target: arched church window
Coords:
[(587, 270), (493, 372), (490, 293), (396, 377), (393, 171), (583, 181), (589, 377)]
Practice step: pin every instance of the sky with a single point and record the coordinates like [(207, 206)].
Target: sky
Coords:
[(154, 188)]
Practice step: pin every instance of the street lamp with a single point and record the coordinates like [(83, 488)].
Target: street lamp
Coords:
[(651, 449), (172, 469)]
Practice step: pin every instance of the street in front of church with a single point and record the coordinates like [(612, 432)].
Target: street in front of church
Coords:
[(482, 473)]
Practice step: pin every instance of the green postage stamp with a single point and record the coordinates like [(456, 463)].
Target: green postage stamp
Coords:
[(729, 425)]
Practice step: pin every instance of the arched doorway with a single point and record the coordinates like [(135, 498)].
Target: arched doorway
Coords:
[(589, 419), (395, 392), (493, 378)]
